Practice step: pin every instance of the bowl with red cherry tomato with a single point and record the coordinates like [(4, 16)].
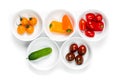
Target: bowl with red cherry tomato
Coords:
[(92, 25), (75, 53)]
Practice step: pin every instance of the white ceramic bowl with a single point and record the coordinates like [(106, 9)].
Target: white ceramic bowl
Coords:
[(37, 27), (98, 35), (65, 49), (57, 16), (47, 62)]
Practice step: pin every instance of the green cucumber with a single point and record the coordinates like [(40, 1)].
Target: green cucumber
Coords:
[(40, 53)]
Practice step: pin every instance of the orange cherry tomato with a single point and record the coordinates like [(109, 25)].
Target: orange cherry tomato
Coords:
[(21, 29), (24, 21), (32, 21), (29, 29)]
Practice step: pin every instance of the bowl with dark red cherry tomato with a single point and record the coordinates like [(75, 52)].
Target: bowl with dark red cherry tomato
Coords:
[(75, 53), (92, 25)]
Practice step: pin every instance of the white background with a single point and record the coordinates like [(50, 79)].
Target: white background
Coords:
[(105, 62)]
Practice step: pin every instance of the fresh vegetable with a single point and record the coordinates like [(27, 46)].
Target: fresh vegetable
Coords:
[(92, 23), (98, 17), (29, 29), (56, 26), (82, 50), (70, 56), (99, 26), (82, 24), (21, 29), (79, 59), (73, 47), (40, 53), (89, 33), (64, 27), (66, 24), (24, 21), (32, 21), (26, 25), (90, 16)]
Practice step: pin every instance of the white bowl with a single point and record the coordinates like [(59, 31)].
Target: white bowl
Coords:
[(37, 27), (57, 16), (98, 35), (65, 49), (47, 62)]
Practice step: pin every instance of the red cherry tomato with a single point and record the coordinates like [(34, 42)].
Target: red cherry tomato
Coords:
[(91, 25), (99, 26), (90, 16), (82, 24), (98, 17), (89, 33)]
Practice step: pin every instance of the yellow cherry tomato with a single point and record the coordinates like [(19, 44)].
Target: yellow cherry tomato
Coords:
[(24, 21), (29, 29), (32, 21), (21, 29)]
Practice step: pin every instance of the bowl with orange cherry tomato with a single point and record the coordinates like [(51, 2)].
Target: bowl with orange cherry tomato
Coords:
[(59, 25), (27, 25), (75, 53), (92, 25)]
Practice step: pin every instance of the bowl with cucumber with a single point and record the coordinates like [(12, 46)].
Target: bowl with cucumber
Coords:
[(42, 53)]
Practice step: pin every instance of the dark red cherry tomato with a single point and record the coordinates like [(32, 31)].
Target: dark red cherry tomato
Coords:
[(82, 50), (79, 59), (98, 17), (70, 56), (90, 16), (89, 33), (73, 47)]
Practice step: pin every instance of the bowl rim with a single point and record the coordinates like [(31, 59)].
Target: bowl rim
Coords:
[(60, 10), (103, 33), (24, 11), (58, 54), (84, 65)]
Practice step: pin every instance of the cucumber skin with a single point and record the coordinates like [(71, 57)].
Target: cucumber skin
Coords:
[(40, 53)]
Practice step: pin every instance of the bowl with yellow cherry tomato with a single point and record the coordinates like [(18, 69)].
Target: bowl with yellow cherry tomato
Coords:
[(27, 25)]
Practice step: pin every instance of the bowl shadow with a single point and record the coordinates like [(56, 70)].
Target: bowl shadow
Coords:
[(21, 44)]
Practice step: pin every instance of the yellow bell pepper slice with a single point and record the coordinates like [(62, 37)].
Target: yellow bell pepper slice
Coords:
[(56, 26)]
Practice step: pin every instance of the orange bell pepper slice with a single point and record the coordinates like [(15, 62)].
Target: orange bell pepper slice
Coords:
[(66, 23)]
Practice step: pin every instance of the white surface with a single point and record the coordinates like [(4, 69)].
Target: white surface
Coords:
[(105, 63), (65, 49), (47, 62)]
